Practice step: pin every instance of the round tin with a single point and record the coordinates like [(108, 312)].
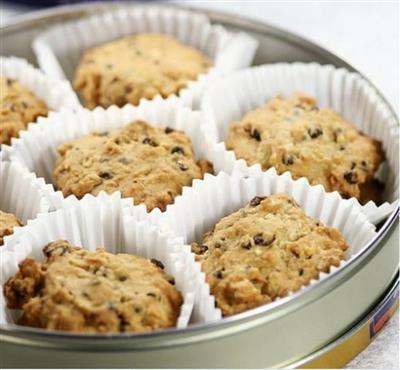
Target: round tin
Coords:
[(307, 329)]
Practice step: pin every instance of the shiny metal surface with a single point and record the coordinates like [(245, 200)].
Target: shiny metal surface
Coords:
[(277, 334)]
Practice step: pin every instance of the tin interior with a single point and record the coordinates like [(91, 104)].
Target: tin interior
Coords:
[(276, 45)]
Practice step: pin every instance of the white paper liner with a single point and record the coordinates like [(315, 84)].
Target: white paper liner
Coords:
[(347, 93), (201, 206), (21, 194), (98, 221), (58, 49), (36, 149)]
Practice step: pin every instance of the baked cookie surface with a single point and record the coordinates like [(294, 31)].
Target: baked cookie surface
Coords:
[(134, 67), (147, 163), (264, 251), (7, 223), (18, 107), (294, 135), (93, 291)]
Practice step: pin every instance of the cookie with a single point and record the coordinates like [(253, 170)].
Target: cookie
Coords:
[(7, 223), (18, 107), (294, 135), (134, 67), (93, 292), (147, 163), (264, 251)]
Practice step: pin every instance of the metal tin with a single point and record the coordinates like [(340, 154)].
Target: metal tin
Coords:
[(294, 331)]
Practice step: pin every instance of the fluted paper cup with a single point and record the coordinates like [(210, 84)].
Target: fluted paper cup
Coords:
[(36, 149), (346, 92), (21, 194), (203, 205), (55, 93), (59, 48), (98, 221)]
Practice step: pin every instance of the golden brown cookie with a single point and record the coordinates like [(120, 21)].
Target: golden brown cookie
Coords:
[(294, 135), (18, 107), (134, 67), (147, 163), (7, 223), (93, 291), (264, 251)]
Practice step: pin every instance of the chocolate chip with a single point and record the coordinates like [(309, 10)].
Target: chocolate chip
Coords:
[(171, 280), (13, 108), (105, 175), (301, 272), (178, 150), (287, 159), (114, 80), (149, 141), (24, 105), (218, 274), (353, 165), (255, 134), (314, 132), (10, 81), (150, 294), (217, 245), (351, 177), (157, 263), (314, 108), (342, 147), (263, 241), (123, 278), (182, 166), (256, 201), (168, 130), (128, 89), (364, 163), (105, 133), (85, 295)]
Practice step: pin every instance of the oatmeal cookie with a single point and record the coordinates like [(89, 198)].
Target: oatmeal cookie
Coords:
[(18, 107), (294, 135), (147, 163), (134, 67), (93, 291), (264, 251), (7, 223)]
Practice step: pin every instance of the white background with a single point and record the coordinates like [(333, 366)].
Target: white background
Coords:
[(364, 33)]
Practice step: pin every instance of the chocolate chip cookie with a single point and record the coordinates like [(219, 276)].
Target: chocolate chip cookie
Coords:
[(134, 67), (147, 163), (7, 223), (93, 291), (264, 251), (18, 107), (294, 135)]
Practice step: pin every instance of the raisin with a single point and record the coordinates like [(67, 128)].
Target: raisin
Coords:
[(158, 263), (105, 175), (218, 274), (246, 245), (256, 201), (314, 132), (351, 177), (168, 130), (255, 134), (149, 141), (287, 159), (178, 150), (260, 240)]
